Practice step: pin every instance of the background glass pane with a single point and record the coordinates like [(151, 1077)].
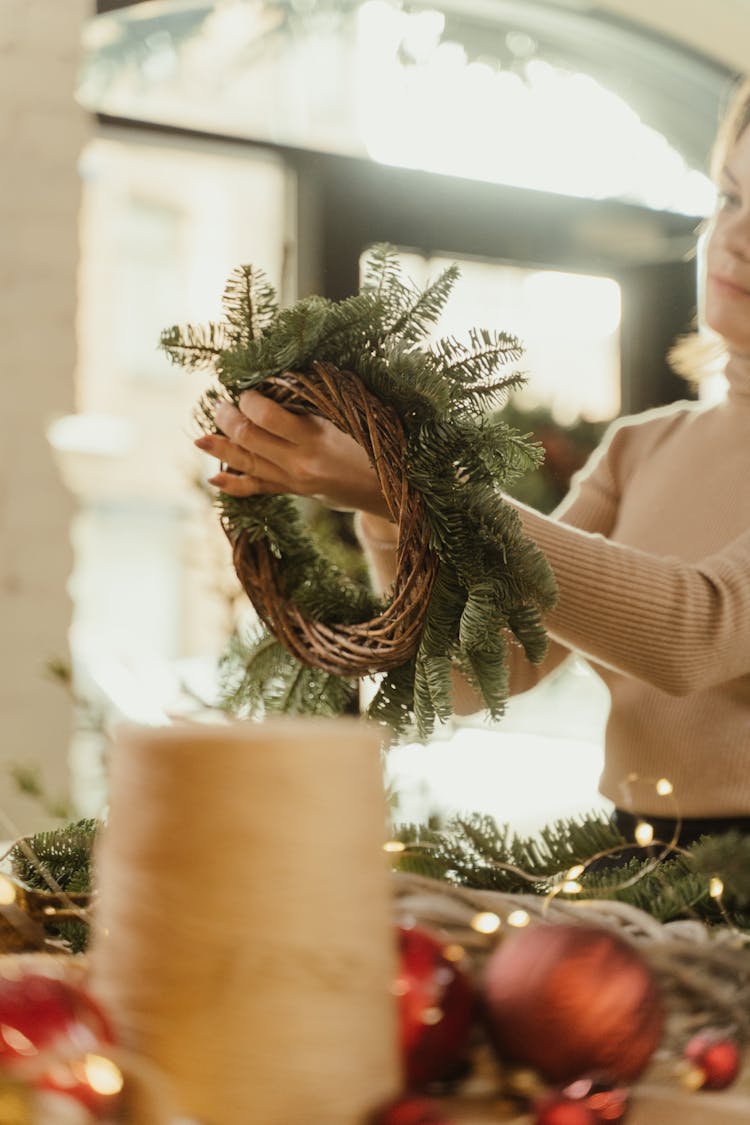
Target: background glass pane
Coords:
[(163, 225)]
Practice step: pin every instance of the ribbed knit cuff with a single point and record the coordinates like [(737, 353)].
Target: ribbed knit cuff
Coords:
[(374, 539), (619, 605), (381, 552)]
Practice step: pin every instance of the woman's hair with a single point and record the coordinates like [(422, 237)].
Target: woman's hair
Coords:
[(702, 352), (735, 121)]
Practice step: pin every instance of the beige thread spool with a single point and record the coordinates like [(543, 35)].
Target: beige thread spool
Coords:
[(243, 935)]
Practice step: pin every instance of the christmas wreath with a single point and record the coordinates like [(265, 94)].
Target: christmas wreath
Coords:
[(468, 581)]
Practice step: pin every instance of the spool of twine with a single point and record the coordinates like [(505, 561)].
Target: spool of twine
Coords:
[(243, 940)]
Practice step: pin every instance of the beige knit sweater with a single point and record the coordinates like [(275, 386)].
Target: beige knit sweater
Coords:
[(651, 552)]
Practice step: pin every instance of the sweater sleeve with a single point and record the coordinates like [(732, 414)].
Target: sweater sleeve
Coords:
[(680, 626), (590, 505)]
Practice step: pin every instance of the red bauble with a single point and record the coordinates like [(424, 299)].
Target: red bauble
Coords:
[(583, 1102), (571, 1000), (411, 1111), (435, 1007), (716, 1057), (47, 1028), (560, 1111), (43, 1010)]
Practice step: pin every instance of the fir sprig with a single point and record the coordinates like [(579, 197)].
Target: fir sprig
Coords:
[(475, 851), (60, 854), (460, 455), (60, 857), (471, 850)]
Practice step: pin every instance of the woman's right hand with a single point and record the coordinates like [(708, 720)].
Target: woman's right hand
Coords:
[(271, 450)]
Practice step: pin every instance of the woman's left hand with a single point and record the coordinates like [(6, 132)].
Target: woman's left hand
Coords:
[(272, 450)]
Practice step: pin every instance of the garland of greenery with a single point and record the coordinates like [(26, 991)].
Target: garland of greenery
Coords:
[(59, 859), (474, 851), (492, 582)]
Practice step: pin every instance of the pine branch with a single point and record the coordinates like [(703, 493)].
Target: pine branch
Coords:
[(414, 322), (197, 346), (249, 303), (64, 854), (258, 676), (475, 851)]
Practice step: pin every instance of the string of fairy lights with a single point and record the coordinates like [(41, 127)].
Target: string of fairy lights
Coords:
[(567, 882)]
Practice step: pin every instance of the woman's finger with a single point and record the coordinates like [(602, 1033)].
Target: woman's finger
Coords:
[(267, 415), (234, 424), (244, 432), (293, 462), (241, 485), (243, 461)]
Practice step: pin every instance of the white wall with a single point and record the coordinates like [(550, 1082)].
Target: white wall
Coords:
[(42, 132), (715, 27)]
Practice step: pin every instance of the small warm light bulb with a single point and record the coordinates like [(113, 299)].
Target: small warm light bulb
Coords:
[(394, 846), (644, 833), (454, 952), (518, 918), (692, 1078), (716, 887), (7, 891), (102, 1075), (485, 922), (571, 887), (664, 787), (575, 871), (431, 1016)]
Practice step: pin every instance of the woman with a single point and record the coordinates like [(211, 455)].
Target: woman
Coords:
[(651, 550)]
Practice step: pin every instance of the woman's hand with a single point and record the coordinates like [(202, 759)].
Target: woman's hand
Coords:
[(272, 450)]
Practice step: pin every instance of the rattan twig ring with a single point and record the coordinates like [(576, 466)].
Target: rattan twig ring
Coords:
[(391, 638)]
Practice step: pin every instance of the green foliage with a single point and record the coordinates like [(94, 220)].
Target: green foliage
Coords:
[(565, 450), (472, 850), (476, 851), (60, 858), (460, 456), (62, 853), (259, 674)]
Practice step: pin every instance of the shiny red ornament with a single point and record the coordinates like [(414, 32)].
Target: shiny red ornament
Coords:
[(412, 1111), (569, 1000), (435, 1008), (559, 1110), (716, 1057), (587, 1100), (48, 1027)]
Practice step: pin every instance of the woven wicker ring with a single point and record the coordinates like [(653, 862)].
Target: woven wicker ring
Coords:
[(391, 638)]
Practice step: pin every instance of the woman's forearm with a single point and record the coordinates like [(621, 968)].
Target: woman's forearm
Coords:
[(680, 626)]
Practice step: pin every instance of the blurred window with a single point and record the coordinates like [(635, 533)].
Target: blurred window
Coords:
[(163, 224), (543, 759), (555, 98)]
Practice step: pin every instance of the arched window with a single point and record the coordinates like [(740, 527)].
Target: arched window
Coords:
[(531, 94)]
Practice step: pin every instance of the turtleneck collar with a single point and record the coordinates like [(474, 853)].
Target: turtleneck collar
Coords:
[(737, 372)]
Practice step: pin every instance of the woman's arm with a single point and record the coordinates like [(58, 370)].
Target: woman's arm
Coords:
[(680, 626), (590, 505)]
